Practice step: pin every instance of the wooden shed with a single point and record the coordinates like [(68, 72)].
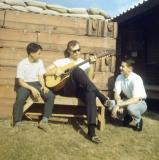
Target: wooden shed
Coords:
[(52, 26), (138, 36)]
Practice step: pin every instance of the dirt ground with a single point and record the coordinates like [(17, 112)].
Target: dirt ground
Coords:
[(66, 141)]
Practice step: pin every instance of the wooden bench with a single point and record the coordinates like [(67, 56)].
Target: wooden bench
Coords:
[(67, 101), (152, 91)]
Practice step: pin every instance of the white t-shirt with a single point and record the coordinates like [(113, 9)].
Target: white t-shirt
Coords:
[(65, 61), (132, 86), (28, 71)]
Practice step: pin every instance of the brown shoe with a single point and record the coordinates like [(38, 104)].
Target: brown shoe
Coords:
[(44, 126)]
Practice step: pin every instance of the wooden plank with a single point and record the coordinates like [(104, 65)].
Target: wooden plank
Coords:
[(103, 65), (152, 94), (115, 30), (104, 80), (7, 72), (60, 100), (105, 29), (62, 39), (11, 56), (7, 100), (44, 28), (113, 64), (32, 18), (13, 44), (57, 115), (8, 63), (7, 91), (152, 87), (14, 53), (110, 29), (13, 63), (100, 28), (92, 28), (84, 49), (98, 65), (6, 109), (50, 47), (7, 81), (152, 91), (2, 18), (17, 35)]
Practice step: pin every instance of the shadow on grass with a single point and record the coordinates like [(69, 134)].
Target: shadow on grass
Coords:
[(78, 125)]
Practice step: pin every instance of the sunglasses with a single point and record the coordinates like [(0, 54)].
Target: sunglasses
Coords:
[(77, 50)]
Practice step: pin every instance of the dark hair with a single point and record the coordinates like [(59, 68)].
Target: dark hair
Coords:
[(129, 61), (70, 44), (33, 47)]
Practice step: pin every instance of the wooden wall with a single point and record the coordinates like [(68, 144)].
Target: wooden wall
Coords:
[(17, 29)]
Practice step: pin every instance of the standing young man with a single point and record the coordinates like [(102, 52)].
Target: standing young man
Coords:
[(30, 73), (131, 85), (78, 84)]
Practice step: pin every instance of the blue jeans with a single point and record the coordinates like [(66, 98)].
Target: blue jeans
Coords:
[(136, 110)]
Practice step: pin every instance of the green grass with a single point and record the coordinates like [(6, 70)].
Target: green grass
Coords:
[(66, 142)]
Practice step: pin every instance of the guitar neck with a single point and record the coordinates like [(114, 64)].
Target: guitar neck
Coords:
[(98, 56), (80, 64)]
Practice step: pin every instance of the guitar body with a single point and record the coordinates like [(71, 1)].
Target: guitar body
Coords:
[(57, 82)]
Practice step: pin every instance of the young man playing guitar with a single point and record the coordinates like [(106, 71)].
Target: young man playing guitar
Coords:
[(78, 84)]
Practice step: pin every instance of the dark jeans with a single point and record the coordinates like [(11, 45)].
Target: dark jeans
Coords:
[(79, 85), (23, 94)]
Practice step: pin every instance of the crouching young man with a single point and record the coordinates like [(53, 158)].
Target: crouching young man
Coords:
[(133, 105)]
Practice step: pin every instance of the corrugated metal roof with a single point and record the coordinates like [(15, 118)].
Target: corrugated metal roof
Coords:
[(138, 9)]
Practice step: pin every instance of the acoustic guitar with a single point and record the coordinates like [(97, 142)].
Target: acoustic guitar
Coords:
[(57, 82)]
